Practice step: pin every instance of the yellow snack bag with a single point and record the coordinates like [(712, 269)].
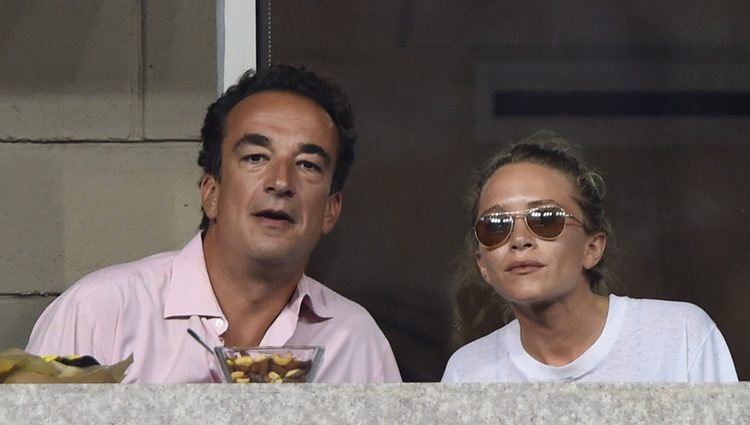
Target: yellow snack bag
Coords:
[(18, 366)]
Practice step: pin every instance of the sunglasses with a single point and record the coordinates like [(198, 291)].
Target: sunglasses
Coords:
[(546, 223)]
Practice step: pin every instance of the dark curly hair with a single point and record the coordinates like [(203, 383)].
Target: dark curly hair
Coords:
[(479, 309), (282, 78)]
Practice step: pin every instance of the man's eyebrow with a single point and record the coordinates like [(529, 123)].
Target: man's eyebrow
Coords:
[(252, 139), (261, 140), (314, 149)]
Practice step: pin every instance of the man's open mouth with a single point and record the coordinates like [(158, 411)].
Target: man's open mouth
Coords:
[(275, 215)]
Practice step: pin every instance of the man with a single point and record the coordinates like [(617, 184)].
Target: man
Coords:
[(276, 151)]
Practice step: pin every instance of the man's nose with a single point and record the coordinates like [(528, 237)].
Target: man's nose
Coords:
[(280, 177)]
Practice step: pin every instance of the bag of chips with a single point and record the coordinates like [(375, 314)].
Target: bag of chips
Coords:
[(20, 367)]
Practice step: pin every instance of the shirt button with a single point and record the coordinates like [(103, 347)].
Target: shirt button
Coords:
[(219, 323)]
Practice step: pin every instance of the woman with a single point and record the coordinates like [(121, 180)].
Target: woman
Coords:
[(539, 239)]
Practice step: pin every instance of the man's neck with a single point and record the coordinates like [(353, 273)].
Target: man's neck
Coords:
[(558, 332), (251, 294)]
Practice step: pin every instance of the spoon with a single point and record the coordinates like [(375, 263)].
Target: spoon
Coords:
[(200, 341)]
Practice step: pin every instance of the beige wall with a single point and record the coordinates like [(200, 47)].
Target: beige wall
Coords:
[(101, 103)]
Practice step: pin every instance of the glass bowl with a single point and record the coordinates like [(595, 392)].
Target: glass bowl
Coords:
[(277, 365)]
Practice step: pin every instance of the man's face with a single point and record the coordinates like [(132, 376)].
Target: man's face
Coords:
[(278, 159)]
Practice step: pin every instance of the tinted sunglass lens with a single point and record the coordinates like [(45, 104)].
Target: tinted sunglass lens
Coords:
[(546, 222), (493, 229)]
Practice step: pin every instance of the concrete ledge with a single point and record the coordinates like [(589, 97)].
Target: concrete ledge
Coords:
[(377, 404)]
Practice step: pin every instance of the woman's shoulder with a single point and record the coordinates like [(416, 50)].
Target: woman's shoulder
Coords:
[(473, 361), (656, 306), (489, 342), (678, 314)]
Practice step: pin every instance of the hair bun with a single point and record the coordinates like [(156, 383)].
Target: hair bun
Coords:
[(594, 183)]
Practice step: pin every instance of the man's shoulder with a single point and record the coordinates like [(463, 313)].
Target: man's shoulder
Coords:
[(124, 276), (341, 313), (330, 303), (351, 337)]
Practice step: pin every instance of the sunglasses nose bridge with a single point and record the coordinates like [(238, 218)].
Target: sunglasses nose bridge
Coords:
[(513, 218), (524, 227)]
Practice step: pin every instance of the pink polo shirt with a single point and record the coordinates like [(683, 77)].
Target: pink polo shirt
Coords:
[(145, 308)]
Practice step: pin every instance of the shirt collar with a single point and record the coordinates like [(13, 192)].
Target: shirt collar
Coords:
[(190, 292), (305, 304), (312, 294)]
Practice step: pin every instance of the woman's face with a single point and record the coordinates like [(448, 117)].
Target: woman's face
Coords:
[(526, 269)]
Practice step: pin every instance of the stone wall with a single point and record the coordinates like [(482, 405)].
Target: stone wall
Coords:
[(432, 404), (101, 103)]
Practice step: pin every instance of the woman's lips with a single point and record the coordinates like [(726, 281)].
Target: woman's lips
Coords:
[(523, 267)]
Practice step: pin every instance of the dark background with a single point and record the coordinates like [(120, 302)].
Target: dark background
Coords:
[(423, 76)]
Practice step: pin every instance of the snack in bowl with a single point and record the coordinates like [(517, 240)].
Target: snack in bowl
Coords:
[(276, 365)]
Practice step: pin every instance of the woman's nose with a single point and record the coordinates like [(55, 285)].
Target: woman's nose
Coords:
[(520, 236)]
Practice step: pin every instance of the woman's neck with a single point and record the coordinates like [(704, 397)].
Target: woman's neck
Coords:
[(559, 331)]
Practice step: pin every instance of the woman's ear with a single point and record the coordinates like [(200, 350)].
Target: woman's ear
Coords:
[(594, 250), (482, 267)]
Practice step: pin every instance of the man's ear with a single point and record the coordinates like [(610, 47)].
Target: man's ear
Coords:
[(332, 212), (209, 195), (594, 250)]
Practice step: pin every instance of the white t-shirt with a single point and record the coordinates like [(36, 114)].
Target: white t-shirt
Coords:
[(642, 341)]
